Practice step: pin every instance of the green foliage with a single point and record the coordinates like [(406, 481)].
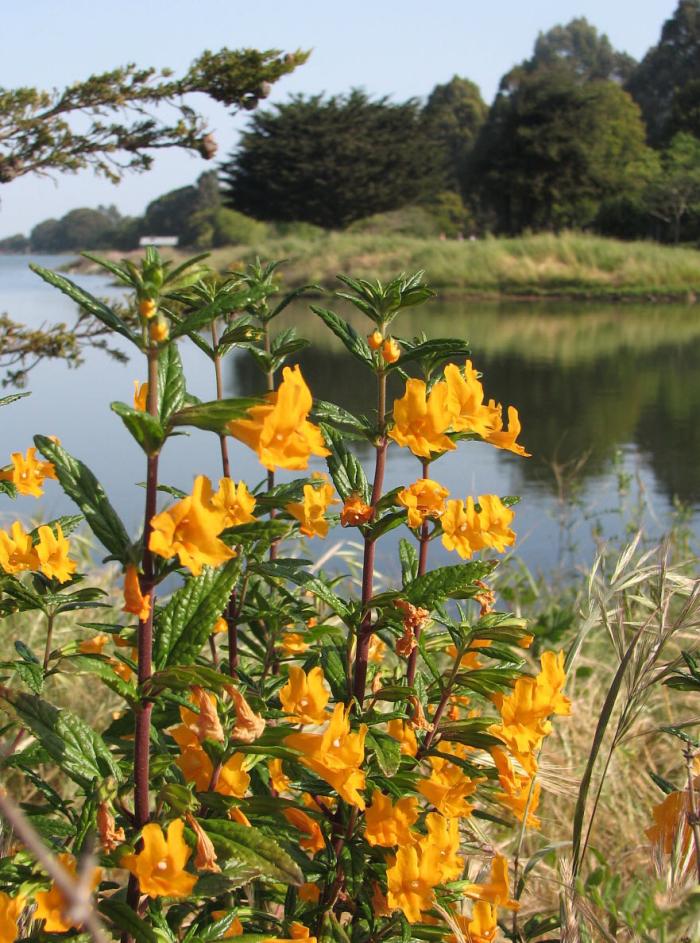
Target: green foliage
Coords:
[(453, 116), (331, 161)]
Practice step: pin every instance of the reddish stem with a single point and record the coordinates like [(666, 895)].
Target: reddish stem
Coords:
[(422, 567), (364, 635), (220, 395), (145, 636)]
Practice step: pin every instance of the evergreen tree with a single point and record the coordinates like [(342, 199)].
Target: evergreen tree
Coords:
[(331, 161)]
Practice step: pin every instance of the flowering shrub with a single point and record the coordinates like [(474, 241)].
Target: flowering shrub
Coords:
[(290, 761)]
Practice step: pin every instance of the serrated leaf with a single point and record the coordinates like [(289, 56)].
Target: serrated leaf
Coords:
[(199, 318), (408, 555), (88, 302), (355, 344), (252, 849), (77, 749), (171, 383), (386, 750), (31, 674), (123, 916), (185, 623), (447, 582), (67, 523), (347, 473), (146, 429), (79, 483), (182, 677), (215, 415), (433, 352)]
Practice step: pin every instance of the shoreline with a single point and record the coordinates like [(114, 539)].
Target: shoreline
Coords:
[(537, 268)]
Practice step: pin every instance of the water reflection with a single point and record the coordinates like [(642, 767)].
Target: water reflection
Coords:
[(587, 381)]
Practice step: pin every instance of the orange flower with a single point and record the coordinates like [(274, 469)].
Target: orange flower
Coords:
[(483, 926), (221, 625), (235, 501), (190, 529), (52, 552), (403, 732), (298, 933), (505, 439), (466, 402), (94, 645), (387, 824), (110, 836), (10, 910), (496, 890), (310, 512), (304, 697), (278, 780), (424, 498), (279, 430), (355, 512), (421, 420), (447, 788), (293, 643), (390, 350), (27, 474), (335, 755), (441, 845), (134, 601), (17, 552), (309, 893), (160, 865), (205, 855), (411, 878), (140, 396), (197, 768), (204, 724), (670, 816), (51, 905), (467, 530), (314, 841)]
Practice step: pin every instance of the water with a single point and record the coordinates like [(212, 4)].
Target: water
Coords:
[(605, 394)]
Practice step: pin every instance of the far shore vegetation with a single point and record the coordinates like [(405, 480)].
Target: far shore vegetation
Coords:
[(539, 265)]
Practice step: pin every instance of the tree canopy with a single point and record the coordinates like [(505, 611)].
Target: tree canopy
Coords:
[(454, 114), (667, 81), (330, 161), (553, 150)]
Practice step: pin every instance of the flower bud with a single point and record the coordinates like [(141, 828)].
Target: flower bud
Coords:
[(147, 308), (375, 340), (160, 331), (390, 350)]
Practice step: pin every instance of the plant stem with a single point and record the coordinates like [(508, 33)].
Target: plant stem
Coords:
[(220, 395), (49, 637), (422, 567), (145, 634), (364, 635), (270, 475)]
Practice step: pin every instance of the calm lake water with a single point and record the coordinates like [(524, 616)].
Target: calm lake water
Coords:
[(608, 390)]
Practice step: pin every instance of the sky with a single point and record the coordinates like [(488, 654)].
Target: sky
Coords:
[(400, 48)]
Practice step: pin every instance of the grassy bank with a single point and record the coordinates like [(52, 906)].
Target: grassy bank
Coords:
[(570, 264)]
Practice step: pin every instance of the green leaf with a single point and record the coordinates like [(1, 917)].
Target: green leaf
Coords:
[(146, 429), (31, 674), (213, 416), (386, 750), (88, 302), (80, 484), (182, 677), (184, 625), (196, 320), (386, 523), (408, 555), (347, 473), (431, 353), (251, 849), (12, 398), (79, 751), (453, 582), (324, 411), (269, 531), (357, 345), (171, 383), (123, 916), (67, 523)]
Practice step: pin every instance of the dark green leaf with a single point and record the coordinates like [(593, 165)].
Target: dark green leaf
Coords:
[(77, 749), (124, 917), (251, 849), (408, 555), (347, 473), (454, 582), (146, 429), (81, 486), (386, 750), (215, 415), (87, 302), (357, 345), (171, 383), (184, 625)]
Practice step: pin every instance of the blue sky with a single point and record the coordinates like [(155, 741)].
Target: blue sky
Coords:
[(400, 48)]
